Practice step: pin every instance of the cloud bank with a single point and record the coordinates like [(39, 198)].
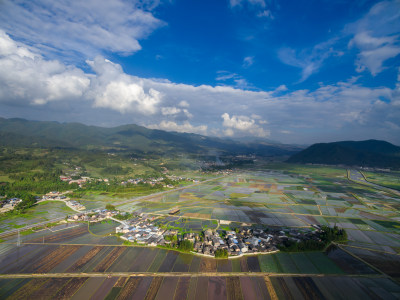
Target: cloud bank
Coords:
[(29, 81), (74, 27)]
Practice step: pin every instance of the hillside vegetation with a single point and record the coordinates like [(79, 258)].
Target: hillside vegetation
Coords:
[(24, 133), (371, 153)]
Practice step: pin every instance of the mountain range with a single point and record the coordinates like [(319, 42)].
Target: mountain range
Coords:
[(371, 153), (23, 133)]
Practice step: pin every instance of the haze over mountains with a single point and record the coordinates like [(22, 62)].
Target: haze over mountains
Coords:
[(21, 132), (141, 140)]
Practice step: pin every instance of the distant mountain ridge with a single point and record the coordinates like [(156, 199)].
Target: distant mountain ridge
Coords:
[(23, 133), (371, 153)]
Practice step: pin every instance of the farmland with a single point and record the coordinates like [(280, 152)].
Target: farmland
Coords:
[(77, 260), (58, 258)]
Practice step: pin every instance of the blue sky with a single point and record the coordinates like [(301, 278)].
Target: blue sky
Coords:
[(293, 71)]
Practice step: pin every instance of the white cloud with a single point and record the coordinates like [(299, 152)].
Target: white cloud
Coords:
[(187, 113), (281, 88), (183, 103), (376, 35), (166, 111), (25, 77), (242, 123), (114, 89), (286, 132), (85, 27), (184, 127), (374, 51), (309, 61), (32, 86), (265, 14), (248, 61), (225, 75), (125, 97), (234, 80), (235, 3)]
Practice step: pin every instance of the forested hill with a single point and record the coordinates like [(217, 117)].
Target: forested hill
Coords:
[(24, 133), (372, 153)]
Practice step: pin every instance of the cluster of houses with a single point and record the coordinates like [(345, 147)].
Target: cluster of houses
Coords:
[(75, 205), (9, 204), (79, 181), (141, 231), (97, 215), (244, 240), (56, 196), (151, 181), (159, 180), (236, 243)]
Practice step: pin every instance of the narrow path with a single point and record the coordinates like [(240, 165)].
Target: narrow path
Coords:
[(358, 177), (182, 274)]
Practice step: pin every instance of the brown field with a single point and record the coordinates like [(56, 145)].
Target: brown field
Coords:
[(243, 264), (141, 290), (29, 288), (61, 236), (234, 289), (129, 288), (104, 288), (208, 265), (202, 288), (217, 288), (340, 210), (85, 259), (153, 288), (250, 288), (68, 290), (281, 284), (270, 288), (224, 265), (371, 216), (54, 258), (48, 289), (308, 288), (109, 259), (121, 282), (167, 288), (196, 215), (261, 187), (182, 288)]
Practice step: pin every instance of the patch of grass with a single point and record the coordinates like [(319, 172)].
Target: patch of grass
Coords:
[(388, 224), (237, 195), (27, 232)]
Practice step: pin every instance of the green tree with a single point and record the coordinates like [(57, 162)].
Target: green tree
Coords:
[(221, 253), (110, 207), (185, 245)]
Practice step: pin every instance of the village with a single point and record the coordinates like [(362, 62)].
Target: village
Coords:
[(96, 215), (243, 240), (58, 196), (9, 204)]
